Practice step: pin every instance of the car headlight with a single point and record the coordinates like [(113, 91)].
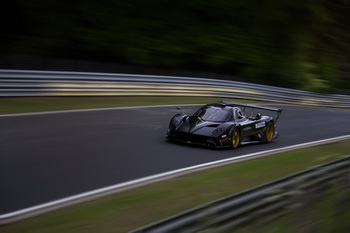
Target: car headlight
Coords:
[(175, 122), (219, 131)]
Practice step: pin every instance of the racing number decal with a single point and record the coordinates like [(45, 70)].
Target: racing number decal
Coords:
[(260, 125)]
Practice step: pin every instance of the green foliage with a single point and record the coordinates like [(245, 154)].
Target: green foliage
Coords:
[(271, 42)]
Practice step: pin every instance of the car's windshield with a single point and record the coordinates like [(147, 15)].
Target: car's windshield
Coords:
[(216, 114)]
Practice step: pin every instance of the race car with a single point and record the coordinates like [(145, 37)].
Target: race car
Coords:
[(224, 124)]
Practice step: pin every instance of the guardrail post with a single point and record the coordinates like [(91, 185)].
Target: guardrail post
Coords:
[(302, 206), (341, 218), (271, 211)]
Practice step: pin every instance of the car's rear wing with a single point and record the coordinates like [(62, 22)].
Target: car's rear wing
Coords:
[(277, 110)]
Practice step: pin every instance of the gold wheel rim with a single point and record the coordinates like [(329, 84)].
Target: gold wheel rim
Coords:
[(269, 132), (235, 138)]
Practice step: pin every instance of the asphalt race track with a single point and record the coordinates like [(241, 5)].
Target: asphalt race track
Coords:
[(46, 157)]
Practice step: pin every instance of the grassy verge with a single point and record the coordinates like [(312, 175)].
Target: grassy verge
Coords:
[(36, 104), (128, 210)]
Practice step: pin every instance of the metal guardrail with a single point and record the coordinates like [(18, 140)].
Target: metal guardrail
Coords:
[(294, 196), (15, 83)]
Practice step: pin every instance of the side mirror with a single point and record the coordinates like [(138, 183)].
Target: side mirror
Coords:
[(179, 108)]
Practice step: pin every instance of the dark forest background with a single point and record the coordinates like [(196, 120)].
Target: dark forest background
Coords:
[(290, 43)]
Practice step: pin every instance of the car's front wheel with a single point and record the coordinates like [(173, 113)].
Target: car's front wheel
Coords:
[(235, 138)]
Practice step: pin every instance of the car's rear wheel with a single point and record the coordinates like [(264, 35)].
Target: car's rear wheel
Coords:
[(270, 131), (235, 138)]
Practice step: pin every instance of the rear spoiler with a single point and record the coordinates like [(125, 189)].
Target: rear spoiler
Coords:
[(277, 110)]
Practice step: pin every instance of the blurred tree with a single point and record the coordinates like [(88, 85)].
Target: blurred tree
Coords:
[(336, 39), (291, 43)]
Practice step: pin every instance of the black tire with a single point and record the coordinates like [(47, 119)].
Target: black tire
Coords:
[(235, 138), (270, 132)]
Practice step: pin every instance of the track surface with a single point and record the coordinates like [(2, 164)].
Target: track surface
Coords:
[(52, 156)]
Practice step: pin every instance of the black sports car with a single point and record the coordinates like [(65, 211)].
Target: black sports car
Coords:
[(224, 124)]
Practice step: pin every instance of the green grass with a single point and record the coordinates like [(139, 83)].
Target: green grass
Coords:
[(37, 104), (131, 209)]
